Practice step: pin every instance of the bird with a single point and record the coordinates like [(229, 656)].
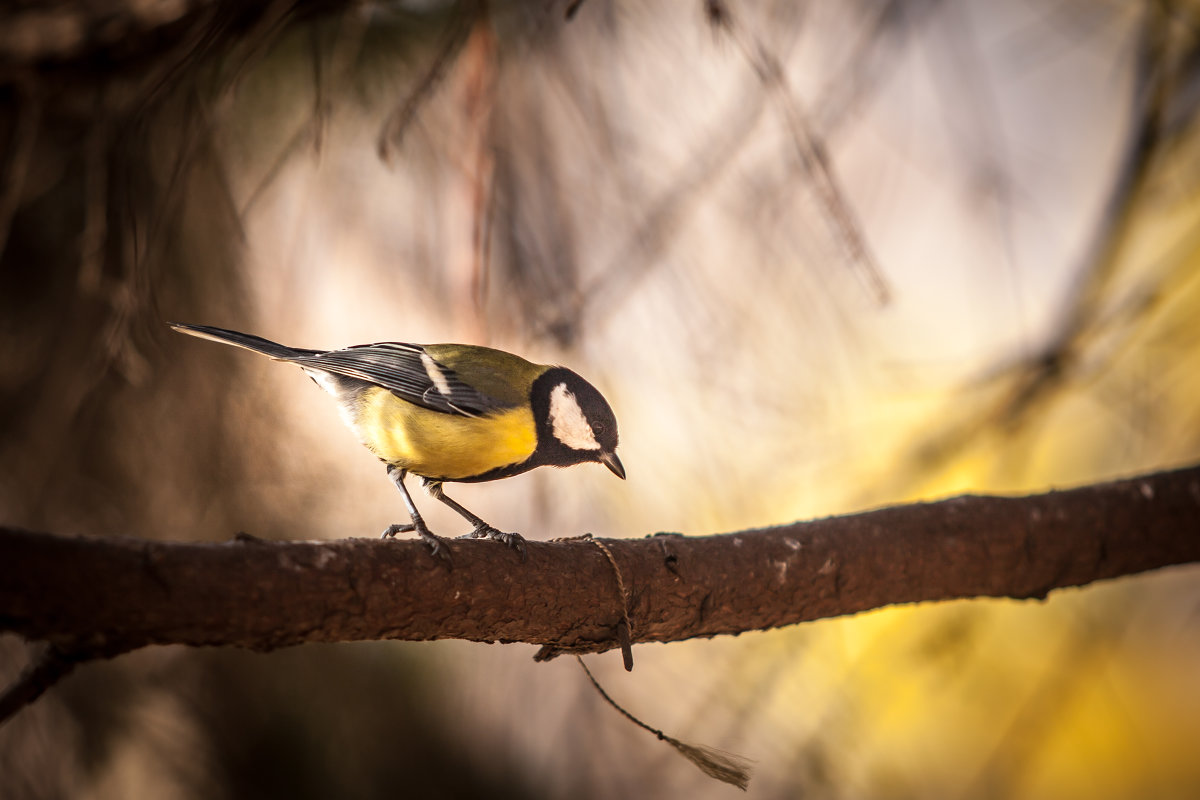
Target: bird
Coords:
[(452, 413)]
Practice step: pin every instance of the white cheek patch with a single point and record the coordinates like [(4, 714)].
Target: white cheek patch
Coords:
[(567, 421), (435, 374)]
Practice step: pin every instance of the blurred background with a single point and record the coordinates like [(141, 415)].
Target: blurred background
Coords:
[(820, 257)]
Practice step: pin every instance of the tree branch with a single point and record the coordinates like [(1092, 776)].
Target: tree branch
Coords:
[(92, 596)]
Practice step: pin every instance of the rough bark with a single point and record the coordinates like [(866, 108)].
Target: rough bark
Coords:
[(104, 596)]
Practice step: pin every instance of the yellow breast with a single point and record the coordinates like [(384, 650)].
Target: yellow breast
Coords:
[(441, 446)]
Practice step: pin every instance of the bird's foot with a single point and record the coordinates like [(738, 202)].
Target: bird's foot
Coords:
[(439, 546), (514, 540)]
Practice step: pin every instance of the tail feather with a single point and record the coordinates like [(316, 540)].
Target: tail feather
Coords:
[(245, 341)]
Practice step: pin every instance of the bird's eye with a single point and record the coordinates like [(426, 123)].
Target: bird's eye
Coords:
[(597, 428)]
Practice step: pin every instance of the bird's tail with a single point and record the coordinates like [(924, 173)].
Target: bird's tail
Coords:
[(245, 341)]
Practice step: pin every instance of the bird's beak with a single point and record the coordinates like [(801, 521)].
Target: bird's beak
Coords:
[(611, 461)]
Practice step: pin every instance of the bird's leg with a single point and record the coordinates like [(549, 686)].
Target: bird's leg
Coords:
[(481, 529), (439, 546)]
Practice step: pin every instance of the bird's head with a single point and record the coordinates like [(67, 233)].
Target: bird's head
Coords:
[(575, 423)]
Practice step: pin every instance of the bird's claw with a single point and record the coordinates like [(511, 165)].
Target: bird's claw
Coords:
[(514, 540), (438, 546)]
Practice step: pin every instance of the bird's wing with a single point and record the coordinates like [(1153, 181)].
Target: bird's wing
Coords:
[(409, 372)]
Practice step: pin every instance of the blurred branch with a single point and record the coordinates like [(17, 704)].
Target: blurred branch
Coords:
[(45, 671), (402, 116), (1102, 311), (810, 149), (93, 597)]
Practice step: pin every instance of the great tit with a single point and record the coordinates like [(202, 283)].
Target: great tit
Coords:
[(453, 412)]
